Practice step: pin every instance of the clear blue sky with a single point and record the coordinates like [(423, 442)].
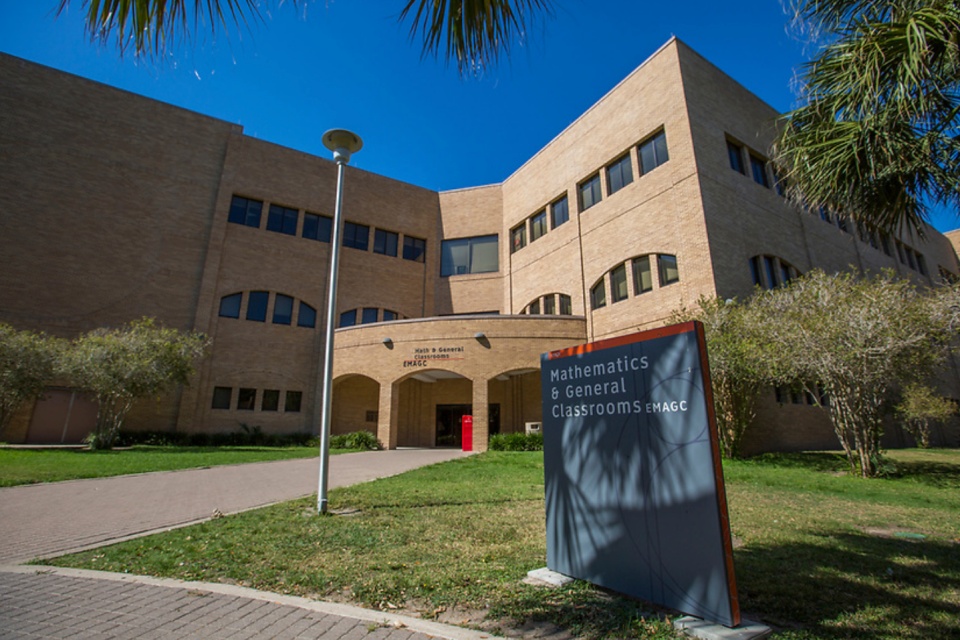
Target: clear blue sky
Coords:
[(348, 63)]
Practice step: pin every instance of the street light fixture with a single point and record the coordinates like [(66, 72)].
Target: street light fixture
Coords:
[(343, 143)]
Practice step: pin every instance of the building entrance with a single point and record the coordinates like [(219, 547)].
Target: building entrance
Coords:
[(449, 433)]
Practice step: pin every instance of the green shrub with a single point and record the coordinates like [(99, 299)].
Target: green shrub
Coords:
[(363, 440), (516, 442), (247, 437)]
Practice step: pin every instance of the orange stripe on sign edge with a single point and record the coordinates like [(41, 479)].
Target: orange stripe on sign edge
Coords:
[(619, 341)]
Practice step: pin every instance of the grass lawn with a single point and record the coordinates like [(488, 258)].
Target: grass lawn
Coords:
[(28, 466), (819, 554)]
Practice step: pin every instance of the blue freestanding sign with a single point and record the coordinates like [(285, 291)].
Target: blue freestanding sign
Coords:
[(634, 489)]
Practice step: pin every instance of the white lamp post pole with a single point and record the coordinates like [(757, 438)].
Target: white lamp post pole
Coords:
[(342, 143)]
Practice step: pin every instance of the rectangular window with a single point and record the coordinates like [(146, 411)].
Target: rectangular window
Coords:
[(653, 153), (921, 263), (317, 227), (271, 400), (291, 403), (282, 309), (538, 225), (221, 397), (245, 211), (518, 238), (770, 271), (900, 252), (598, 295), (372, 416), (907, 250), (469, 255), (779, 182), (559, 212), (535, 308), (348, 318), (758, 166), (619, 174), (618, 283), (356, 236), (389, 315), (307, 316), (755, 272), (257, 306), (369, 315), (247, 400), (589, 192), (549, 305), (414, 249), (667, 266), (385, 242), (642, 275), (566, 305), (230, 305), (282, 220), (735, 154), (786, 273), (843, 224), (825, 215)]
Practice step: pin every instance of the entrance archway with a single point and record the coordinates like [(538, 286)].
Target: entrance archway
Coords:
[(356, 403)]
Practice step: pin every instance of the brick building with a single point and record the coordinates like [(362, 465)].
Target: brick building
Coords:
[(114, 206)]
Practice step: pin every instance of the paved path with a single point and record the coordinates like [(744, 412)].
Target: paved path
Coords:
[(56, 518)]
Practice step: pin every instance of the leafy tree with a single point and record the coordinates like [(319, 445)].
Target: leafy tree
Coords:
[(879, 133), (473, 34), (921, 406), (124, 364), (28, 361), (859, 338)]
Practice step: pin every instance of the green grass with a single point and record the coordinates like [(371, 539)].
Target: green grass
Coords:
[(820, 554), (28, 466)]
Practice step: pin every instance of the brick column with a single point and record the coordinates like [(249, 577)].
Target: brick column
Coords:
[(387, 414), (481, 424)]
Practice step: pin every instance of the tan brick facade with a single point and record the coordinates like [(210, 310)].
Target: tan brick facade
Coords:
[(114, 207)]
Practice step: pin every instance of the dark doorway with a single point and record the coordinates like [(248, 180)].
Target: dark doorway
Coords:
[(449, 432)]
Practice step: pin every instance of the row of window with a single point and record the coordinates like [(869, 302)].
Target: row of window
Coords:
[(770, 272), (642, 274), (547, 305), (246, 400), (366, 315), (258, 306), (280, 219), (759, 165)]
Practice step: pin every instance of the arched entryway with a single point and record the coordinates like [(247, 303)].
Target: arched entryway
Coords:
[(430, 406), (518, 396), (356, 403)]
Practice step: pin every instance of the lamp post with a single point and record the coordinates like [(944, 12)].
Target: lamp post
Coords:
[(342, 143)]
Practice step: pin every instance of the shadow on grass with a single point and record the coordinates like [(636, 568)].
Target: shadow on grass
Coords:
[(930, 473), (817, 461)]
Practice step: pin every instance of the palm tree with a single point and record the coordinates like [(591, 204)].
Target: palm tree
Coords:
[(473, 33), (877, 139)]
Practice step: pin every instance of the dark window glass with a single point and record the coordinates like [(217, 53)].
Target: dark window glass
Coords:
[(247, 399), (257, 306), (786, 273), (559, 212), (356, 236), (781, 394), (389, 315), (518, 238), (282, 220), (755, 272), (759, 169), (317, 227), (282, 309), (642, 275), (921, 263), (770, 271), (230, 305), (653, 153), (292, 400), (735, 154), (538, 225), (825, 215), (566, 305), (369, 315), (534, 308), (414, 249), (372, 416), (885, 243), (307, 316), (900, 252), (667, 266), (271, 400), (843, 224), (618, 283), (598, 295), (385, 242), (619, 174), (910, 260), (589, 191), (779, 182), (549, 305), (221, 397), (348, 318), (245, 211), (469, 255)]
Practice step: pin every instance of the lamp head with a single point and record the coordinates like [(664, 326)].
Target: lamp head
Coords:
[(343, 143)]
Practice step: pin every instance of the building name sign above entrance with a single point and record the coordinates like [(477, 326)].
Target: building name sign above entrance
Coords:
[(424, 357)]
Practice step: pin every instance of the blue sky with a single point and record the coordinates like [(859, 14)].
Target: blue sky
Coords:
[(348, 63)]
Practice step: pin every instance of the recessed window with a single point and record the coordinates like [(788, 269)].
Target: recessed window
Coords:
[(735, 154), (535, 308), (770, 271), (385, 242), (598, 295), (786, 273), (667, 266), (356, 236), (292, 400), (559, 212), (230, 305), (221, 397), (910, 259), (755, 271), (257, 306), (566, 305), (779, 182), (245, 211), (589, 192), (369, 315), (549, 305), (317, 227), (619, 174), (538, 225), (885, 243), (282, 309), (921, 263), (247, 400), (389, 315), (843, 224), (618, 283), (307, 316), (348, 318), (271, 400), (372, 416), (758, 167), (518, 238), (642, 275), (282, 220), (414, 249), (653, 153), (469, 255)]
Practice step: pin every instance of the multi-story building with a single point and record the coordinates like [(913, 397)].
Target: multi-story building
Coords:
[(114, 207)]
